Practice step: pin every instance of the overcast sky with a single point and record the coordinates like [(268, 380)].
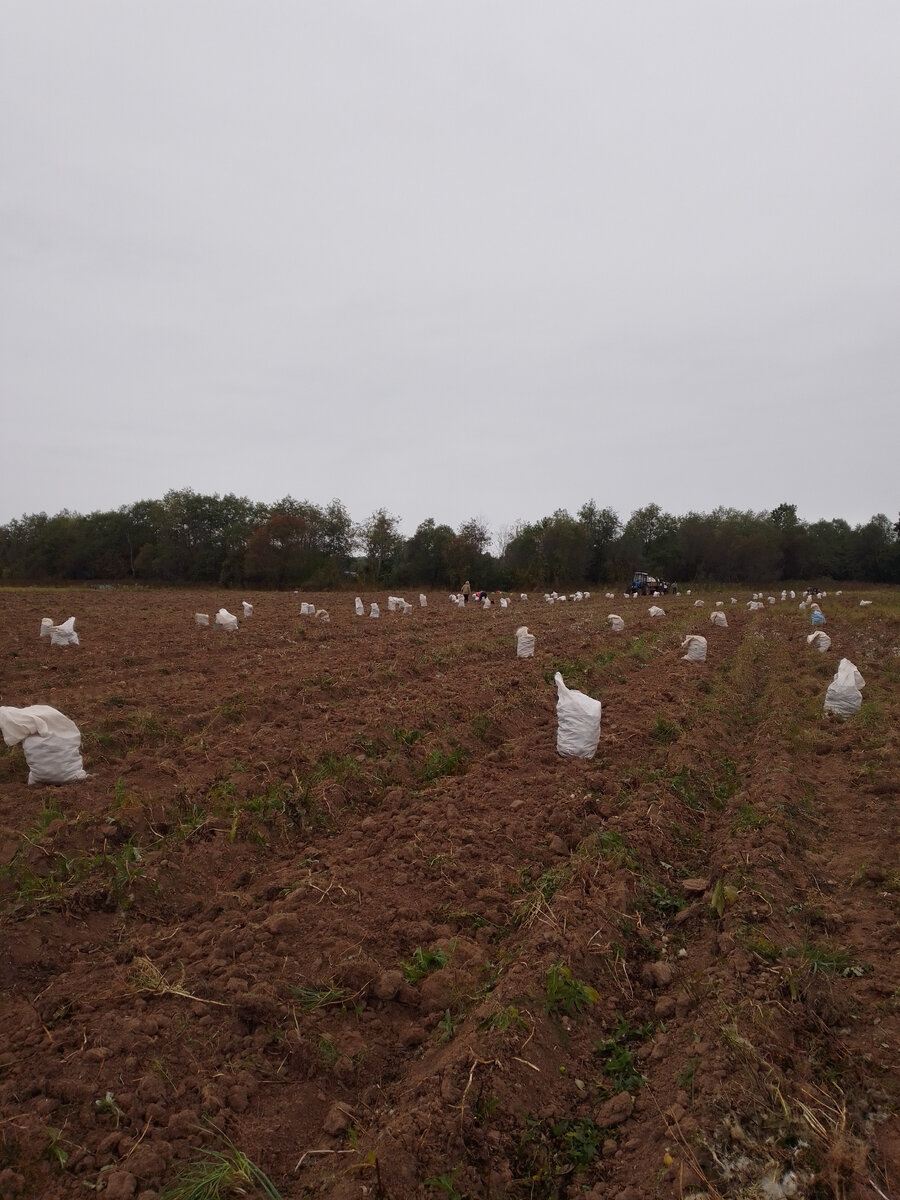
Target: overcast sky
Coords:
[(480, 258)]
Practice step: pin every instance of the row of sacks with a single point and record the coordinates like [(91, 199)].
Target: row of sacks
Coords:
[(59, 635), (556, 598)]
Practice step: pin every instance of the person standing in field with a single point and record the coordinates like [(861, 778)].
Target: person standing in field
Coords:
[(466, 591)]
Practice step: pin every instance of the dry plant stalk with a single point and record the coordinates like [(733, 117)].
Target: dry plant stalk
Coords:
[(147, 977)]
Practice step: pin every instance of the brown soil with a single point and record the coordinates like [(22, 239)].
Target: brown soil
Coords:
[(667, 971)]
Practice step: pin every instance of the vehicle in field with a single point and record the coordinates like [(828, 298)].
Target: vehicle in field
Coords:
[(643, 584)]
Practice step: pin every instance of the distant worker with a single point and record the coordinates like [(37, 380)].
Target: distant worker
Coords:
[(466, 591)]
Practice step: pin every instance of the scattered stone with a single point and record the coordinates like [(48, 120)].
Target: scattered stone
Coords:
[(337, 1120), (281, 923), (615, 1110), (695, 886), (388, 984), (657, 974), (120, 1185)]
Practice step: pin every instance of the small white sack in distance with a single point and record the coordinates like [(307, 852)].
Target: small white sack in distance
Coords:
[(864, 603), (486, 603), (248, 608), (52, 743), (820, 640), (394, 603), (360, 608), (655, 611), (46, 626), (734, 599), (322, 614), (610, 596), (844, 695), (423, 600), (374, 611), (523, 596), (504, 603), (578, 717), (616, 622), (407, 608), (201, 618), (524, 642), (698, 604), (64, 635), (793, 594), (226, 620), (587, 595), (695, 646), (719, 618), (719, 603)]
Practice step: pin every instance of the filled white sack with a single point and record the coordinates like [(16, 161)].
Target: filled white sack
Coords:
[(374, 611), (820, 640), (695, 646), (64, 635), (523, 596), (504, 603), (844, 695), (360, 608), (655, 611), (616, 622), (46, 626), (486, 602), (405, 607), (578, 722), (423, 600), (698, 604), (201, 618), (226, 620), (524, 642), (719, 618), (52, 743), (248, 608), (864, 603)]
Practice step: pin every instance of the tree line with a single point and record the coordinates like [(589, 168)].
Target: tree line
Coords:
[(231, 541)]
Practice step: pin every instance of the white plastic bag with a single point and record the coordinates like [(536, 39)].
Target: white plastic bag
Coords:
[(360, 608), (820, 640), (322, 615), (374, 611), (52, 743), (524, 642), (486, 602), (578, 718), (64, 635), (307, 609), (655, 611), (698, 604), (201, 618), (248, 609), (46, 626), (504, 603), (423, 600), (864, 603), (719, 618), (616, 622), (844, 695), (226, 620), (695, 646)]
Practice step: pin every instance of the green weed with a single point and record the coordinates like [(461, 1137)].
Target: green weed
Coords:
[(220, 1175), (440, 763), (618, 1057), (748, 819), (565, 993), (423, 962)]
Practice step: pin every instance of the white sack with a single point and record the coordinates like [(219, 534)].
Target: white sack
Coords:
[(360, 608), (587, 595), (52, 743), (654, 611), (374, 611), (864, 603), (616, 622), (46, 626), (524, 642), (486, 602), (394, 603), (201, 618), (698, 604), (323, 615), (793, 594), (226, 620), (423, 600), (695, 646), (578, 718), (610, 596), (734, 599), (248, 608), (771, 599), (719, 618), (64, 635), (307, 609), (844, 696), (523, 596), (820, 640), (719, 603), (407, 608), (504, 603)]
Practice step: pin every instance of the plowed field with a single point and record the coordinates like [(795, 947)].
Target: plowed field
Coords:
[(331, 917)]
